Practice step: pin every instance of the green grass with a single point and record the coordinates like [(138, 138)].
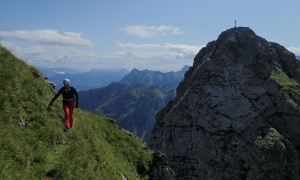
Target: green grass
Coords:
[(95, 148), (283, 79), (275, 148), (289, 86)]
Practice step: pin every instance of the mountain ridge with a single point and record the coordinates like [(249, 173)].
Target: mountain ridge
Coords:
[(132, 106), (154, 77), (135, 99)]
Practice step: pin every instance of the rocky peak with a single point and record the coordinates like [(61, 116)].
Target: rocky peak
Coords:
[(241, 46), (236, 114)]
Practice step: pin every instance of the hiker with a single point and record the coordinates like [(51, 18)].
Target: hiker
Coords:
[(70, 101)]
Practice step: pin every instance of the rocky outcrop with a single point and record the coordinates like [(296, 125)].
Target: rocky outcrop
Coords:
[(160, 169), (236, 114)]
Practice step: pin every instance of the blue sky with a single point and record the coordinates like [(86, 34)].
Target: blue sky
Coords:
[(160, 35)]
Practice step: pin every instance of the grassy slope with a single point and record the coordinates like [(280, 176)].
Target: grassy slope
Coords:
[(290, 87), (95, 148)]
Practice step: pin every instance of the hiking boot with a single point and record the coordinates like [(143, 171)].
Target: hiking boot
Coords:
[(66, 129)]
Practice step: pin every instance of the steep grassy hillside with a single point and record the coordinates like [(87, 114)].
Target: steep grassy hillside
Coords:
[(95, 148), (132, 106)]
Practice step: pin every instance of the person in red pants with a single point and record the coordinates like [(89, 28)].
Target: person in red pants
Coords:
[(70, 101)]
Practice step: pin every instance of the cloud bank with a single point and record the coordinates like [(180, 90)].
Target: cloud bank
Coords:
[(48, 37), (49, 48), (143, 31), (295, 50), (157, 51)]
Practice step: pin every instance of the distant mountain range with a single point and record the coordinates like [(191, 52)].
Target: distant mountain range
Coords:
[(132, 106), (154, 77), (95, 78), (49, 72), (298, 57), (134, 101)]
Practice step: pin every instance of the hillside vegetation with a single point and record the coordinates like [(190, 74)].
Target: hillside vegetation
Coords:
[(134, 101), (34, 146), (132, 106)]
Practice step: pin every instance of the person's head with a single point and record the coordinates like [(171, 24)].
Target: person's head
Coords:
[(67, 83)]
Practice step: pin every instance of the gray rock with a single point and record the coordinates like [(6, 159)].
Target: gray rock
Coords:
[(23, 122), (52, 85), (236, 114), (160, 169)]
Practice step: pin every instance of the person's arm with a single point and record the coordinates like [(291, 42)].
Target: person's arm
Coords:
[(55, 97), (76, 95)]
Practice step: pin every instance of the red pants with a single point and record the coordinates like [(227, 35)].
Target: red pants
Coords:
[(69, 114)]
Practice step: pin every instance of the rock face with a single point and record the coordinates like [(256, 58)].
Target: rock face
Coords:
[(159, 169), (236, 114)]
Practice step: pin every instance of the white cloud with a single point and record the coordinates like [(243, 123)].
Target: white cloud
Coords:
[(143, 31), (163, 56), (48, 37), (53, 56), (295, 50), (157, 51)]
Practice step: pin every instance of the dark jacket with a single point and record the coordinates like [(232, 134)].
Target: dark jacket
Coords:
[(68, 96)]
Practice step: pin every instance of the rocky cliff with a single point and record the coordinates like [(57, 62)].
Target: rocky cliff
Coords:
[(236, 114)]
